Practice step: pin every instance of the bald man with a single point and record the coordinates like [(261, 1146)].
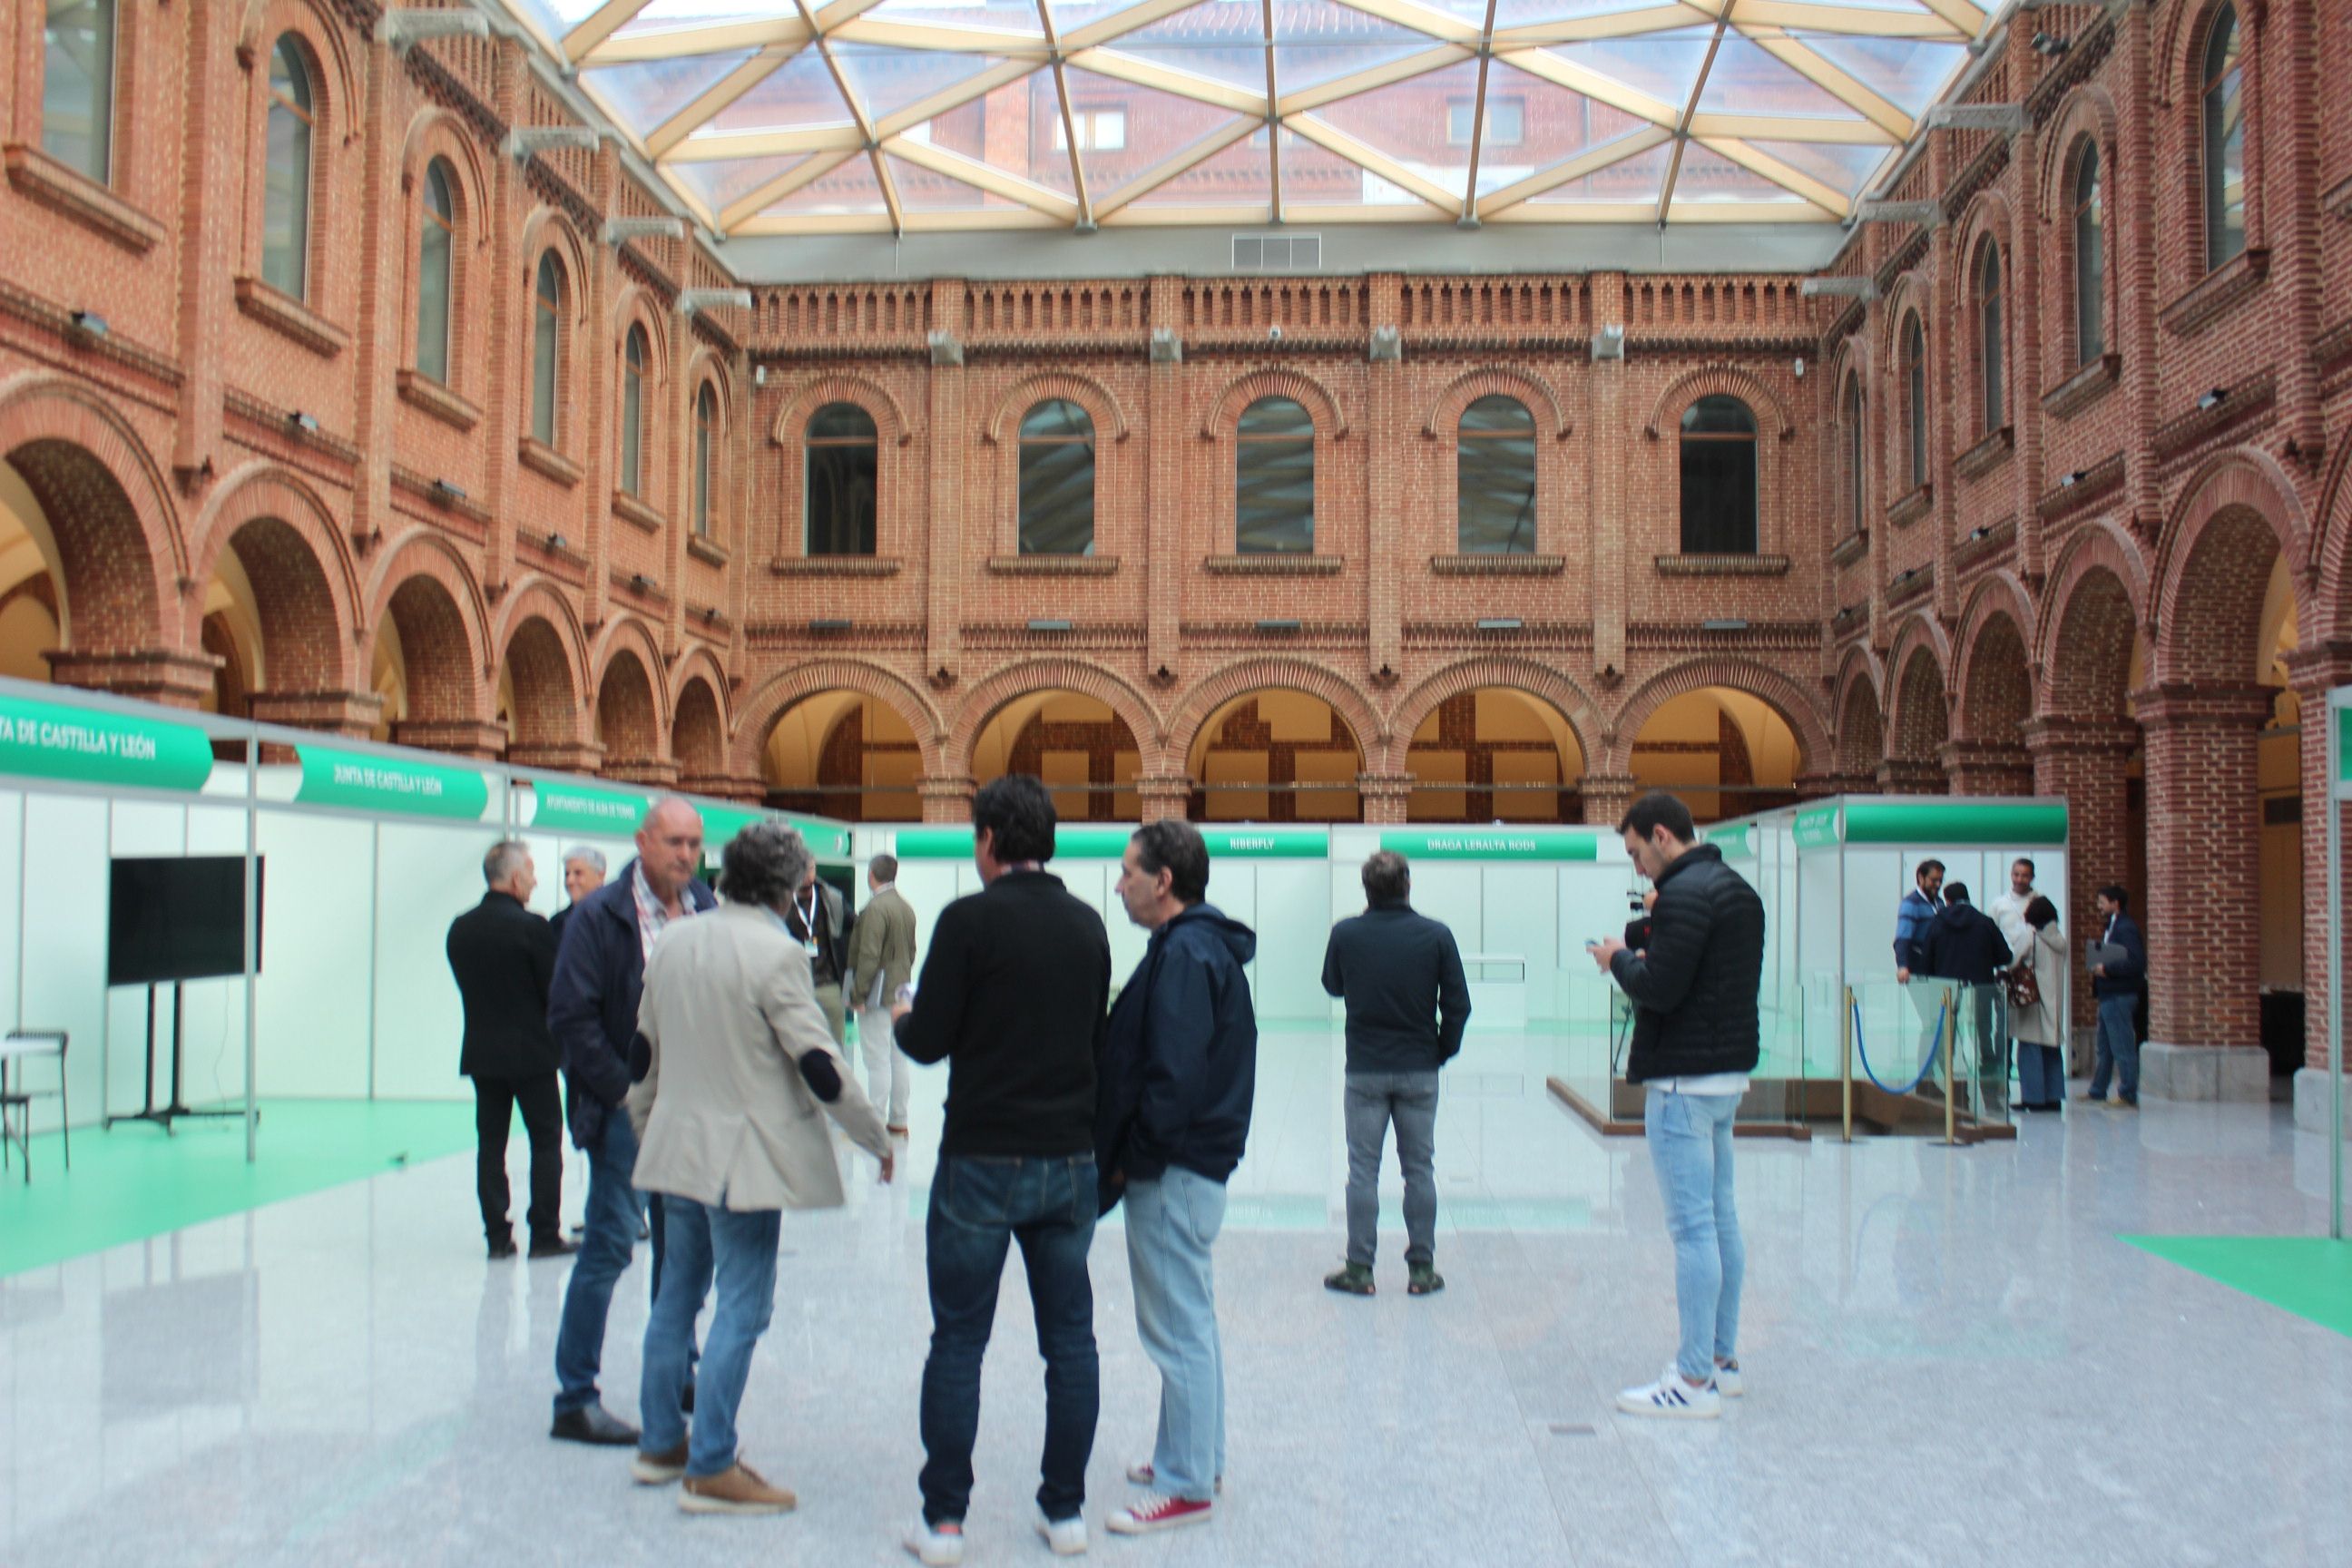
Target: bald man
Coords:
[(591, 1010)]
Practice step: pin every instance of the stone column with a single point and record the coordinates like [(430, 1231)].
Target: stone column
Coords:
[(2082, 761), (944, 452), (946, 797), (1166, 436), (2204, 906)]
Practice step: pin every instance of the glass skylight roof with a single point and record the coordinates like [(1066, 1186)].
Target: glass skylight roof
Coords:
[(782, 117)]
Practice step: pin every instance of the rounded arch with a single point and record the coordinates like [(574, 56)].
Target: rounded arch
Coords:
[(1797, 708), (890, 419), (705, 366), (1445, 416), (1539, 681), (1861, 741), (2092, 611), (637, 308), (1910, 296), (2331, 546), (1719, 380), (988, 697), (426, 552), (2085, 113), (698, 663), (263, 490), (542, 598), (1918, 709), (550, 228), (431, 625), (437, 132), (548, 704), (1221, 686), (1918, 630), (1320, 400), (758, 713), (2241, 480), (1995, 682), (630, 723), (630, 634), (121, 552), (1098, 400), (697, 735), (322, 35)]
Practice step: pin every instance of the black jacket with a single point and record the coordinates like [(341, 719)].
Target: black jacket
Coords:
[(592, 1008), (1014, 996), (1694, 990), (2123, 979), (1179, 1067), (1963, 943), (504, 958), (1401, 975)]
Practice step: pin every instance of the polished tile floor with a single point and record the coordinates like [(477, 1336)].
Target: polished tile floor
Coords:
[(1951, 1359)]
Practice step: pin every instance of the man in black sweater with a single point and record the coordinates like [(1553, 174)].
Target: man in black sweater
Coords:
[(1407, 1006), (1014, 996), (1694, 1043), (1966, 945)]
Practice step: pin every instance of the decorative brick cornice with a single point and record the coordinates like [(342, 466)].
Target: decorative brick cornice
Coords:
[(1987, 455), (542, 458), (31, 308), (1684, 637), (648, 595), (636, 513), (1972, 551), (1497, 565), (1908, 509), (1053, 565), (1851, 548), (426, 485), (289, 316), (80, 198), (2083, 388), (2088, 51), (278, 422), (1911, 585), (453, 92), (836, 566), (1292, 565), (2096, 481), (2227, 284), (2240, 404), (1721, 565), (705, 549), (421, 392)]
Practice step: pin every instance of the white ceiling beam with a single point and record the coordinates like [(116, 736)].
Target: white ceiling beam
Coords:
[(1169, 168), (1378, 77), (986, 176), (1134, 19), (715, 38), (1421, 19), (1183, 84), (1332, 139), (732, 216), (599, 25), (1792, 128), (885, 34), (1827, 197), (1613, 25), (1601, 89), (1857, 21), (1591, 161), (953, 98), (1838, 83), (727, 145), (718, 97)]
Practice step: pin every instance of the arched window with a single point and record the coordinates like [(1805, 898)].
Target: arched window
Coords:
[(1057, 481), (843, 463), (1915, 400), (633, 412), (2090, 258), (546, 337), (706, 426), (1718, 474), (78, 86), (436, 246), (1274, 479), (1989, 337), (286, 202), (2225, 142), (1495, 479), (1855, 453)]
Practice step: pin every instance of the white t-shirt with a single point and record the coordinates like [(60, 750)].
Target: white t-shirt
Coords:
[(1707, 1083), (2008, 912)]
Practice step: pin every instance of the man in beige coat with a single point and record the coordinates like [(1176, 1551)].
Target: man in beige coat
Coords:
[(881, 959), (730, 1134)]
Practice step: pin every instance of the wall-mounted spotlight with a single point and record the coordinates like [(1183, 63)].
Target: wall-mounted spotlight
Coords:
[(1049, 625), (446, 493), (2213, 398), (1799, 367), (1980, 532), (1727, 623), (306, 423), (2070, 480), (555, 541), (1498, 622), (2049, 47), (1278, 626), (90, 323), (640, 582)]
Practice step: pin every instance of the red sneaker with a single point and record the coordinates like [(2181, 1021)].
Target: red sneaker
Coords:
[(1157, 1512)]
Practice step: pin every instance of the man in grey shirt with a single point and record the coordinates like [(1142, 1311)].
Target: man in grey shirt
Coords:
[(1407, 1006)]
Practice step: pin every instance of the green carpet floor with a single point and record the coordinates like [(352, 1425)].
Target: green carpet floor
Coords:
[(134, 1182), (2308, 1276)]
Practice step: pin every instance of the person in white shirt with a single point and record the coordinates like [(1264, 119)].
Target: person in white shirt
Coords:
[(2008, 911)]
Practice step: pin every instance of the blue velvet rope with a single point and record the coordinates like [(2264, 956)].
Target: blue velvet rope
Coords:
[(1928, 1066)]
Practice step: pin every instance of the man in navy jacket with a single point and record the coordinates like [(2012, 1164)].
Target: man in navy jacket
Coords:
[(1178, 1076), (2116, 986), (591, 1010)]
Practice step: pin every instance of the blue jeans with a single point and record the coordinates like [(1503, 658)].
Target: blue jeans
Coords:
[(740, 1251), (1373, 1100), (1171, 1224), (1690, 1144), (980, 1207), (2118, 1047), (611, 1240)]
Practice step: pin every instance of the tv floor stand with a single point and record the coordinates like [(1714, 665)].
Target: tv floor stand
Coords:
[(164, 1115)]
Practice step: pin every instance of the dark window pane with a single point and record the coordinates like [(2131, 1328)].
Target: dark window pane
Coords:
[(842, 484), (1989, 285), (1057, 484), (840, 421), (1718, 415), (1498, 416), (547, 325), (1273, 510), (2225, 143), (1496, 494), (78, 86), (1058, 417), (1276, 416), (285, 201), (1718, 498), (2090, 262), (433, 276)]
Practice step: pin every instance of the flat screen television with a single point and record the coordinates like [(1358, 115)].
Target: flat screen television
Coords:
[(174, 918)]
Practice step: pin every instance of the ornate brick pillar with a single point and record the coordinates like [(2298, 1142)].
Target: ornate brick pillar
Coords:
[(642, 771), (473, 738), (1163, 794), (748, 789), (1387, 797), (168, 676), (1607, 797), (2314, 671), (559, 756), (353, 714), (946, 797), (1820, 786), (2204, 905), (2083, 762), (1987, 767), (1896, 776)]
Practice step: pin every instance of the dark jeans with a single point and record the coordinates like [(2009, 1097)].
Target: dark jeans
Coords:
[(1373, 1100), (495, 1099), (2041, 1073), (2119, 1053), (980, 1205), (610, 1241), (737, 1252)]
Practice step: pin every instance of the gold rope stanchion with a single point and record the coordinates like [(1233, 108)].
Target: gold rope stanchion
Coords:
[(1845, 1060), (1951, 1032)]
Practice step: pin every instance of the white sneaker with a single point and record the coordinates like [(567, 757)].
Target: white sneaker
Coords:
[(1142, 1474), (937, 1545), (1727, 1381), (1673, 1398), (1066, 1537)]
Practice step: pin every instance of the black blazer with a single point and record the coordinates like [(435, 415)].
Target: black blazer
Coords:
[(504, 958)]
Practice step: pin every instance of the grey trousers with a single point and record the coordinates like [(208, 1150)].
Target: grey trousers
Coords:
[(1373, 1100)]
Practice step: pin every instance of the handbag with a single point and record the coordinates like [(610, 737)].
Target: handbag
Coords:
[(2024, 990)]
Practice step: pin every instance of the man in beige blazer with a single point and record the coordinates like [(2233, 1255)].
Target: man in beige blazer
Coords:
[(730, 1134), (882, 959)]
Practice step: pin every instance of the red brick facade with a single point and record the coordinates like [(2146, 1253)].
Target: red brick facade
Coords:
[(1983, 632)]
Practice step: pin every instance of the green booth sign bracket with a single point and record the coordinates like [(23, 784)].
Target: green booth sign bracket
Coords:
[(52, 741), (570, 808), (1493, 844), (1268, 843), (2006, 824), (1093, 843), (358, 780), (1816, 829), (1737, 842)]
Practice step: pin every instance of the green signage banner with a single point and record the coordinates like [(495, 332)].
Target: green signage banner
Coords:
[(2344, 745), (575, 809), (1737, 841), (1999, 823), (1073, 843), (828, 840), (1816, 829), (360, 782), (52, 740), (721, 823), (1493, 844), (1268, 843)]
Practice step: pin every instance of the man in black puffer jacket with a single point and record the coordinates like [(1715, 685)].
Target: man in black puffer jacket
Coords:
[(1694, 1043)]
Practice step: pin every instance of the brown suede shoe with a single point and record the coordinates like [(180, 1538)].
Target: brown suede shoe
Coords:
[(658, 1469), (737, 1490)]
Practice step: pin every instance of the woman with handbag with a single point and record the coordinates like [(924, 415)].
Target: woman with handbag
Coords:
[(2037, 1009)]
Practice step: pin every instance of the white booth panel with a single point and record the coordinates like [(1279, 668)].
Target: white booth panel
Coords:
[(11, 909), (64, 925), (425, 878), (153, 827), (312, 999), (1448, 890), (1293, 925)]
